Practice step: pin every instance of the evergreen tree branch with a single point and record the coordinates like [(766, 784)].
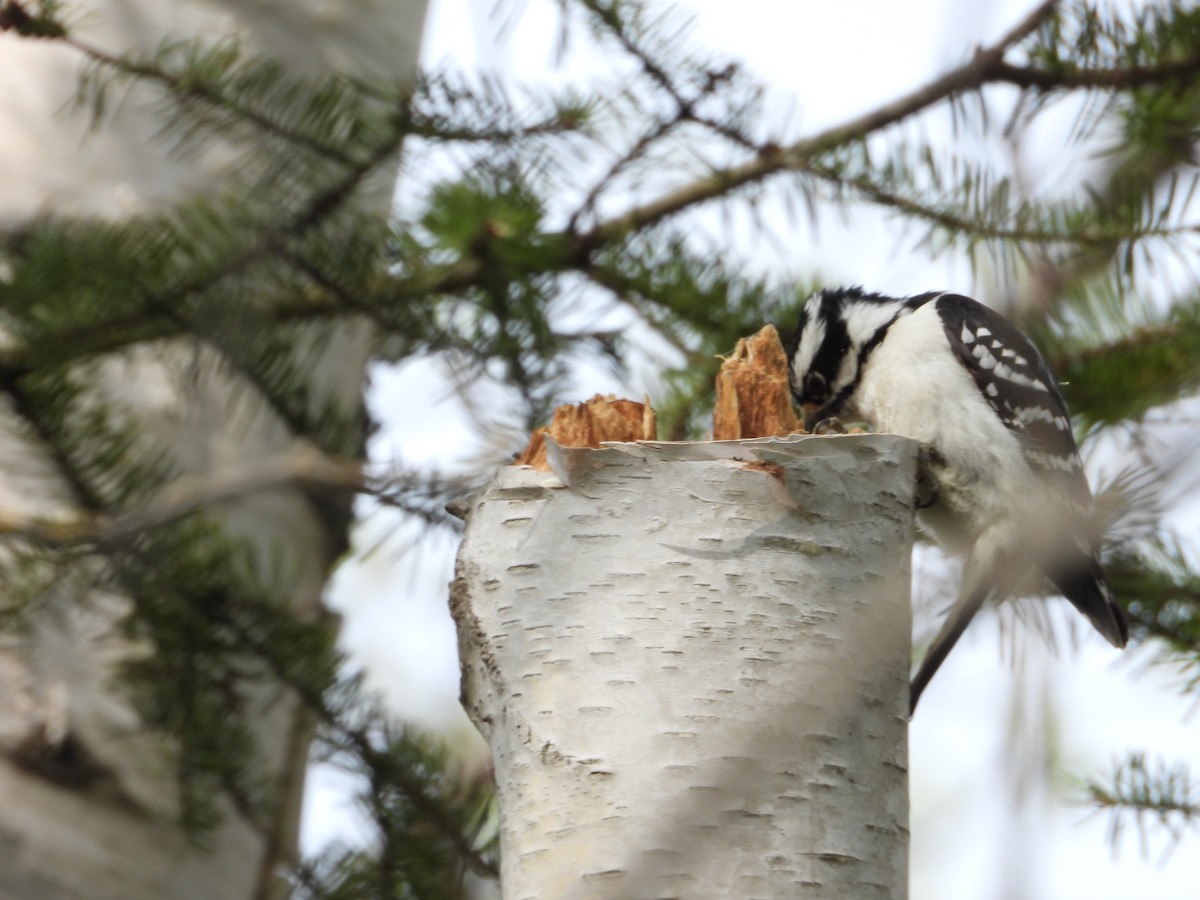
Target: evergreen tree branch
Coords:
[(970, 76), (194, 88), (686, 103), (50, 438), (1108, 79), (577, 249), (1143, 795), (1124, 378), (303, 466), (384, 766), (1163, 601), (155, 323), (1089, 232), (192, 704)]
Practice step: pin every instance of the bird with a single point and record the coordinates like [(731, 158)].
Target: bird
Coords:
[(1006, 487)]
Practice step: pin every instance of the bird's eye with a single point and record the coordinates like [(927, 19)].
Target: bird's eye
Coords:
[(815, 387)]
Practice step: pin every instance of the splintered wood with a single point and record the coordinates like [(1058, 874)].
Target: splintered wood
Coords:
[(587, 424), (753, 398)]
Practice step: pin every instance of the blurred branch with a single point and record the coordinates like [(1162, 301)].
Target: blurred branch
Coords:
[(1163, 796), (1162, 599), (302, 467), (771, 160), (1125, 377), (574, 251), (1116, 79), (196, 89), (379, 749), (1103, 235)]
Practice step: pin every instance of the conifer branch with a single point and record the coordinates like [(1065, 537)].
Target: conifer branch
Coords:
[(198, 89), (303, 466), (82, 493), (970, 76), (1110, 79), (163, 315), (986, 65), (1165, 598), (1165, 796), (686, 107), (1092, 233), (1162, 359), (363, 745)]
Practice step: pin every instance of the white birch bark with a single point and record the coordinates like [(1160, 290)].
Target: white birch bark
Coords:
[(114, 833), (693, 671)]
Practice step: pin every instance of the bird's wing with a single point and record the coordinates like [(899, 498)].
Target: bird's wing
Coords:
[(1014, 378), (1016, 382)]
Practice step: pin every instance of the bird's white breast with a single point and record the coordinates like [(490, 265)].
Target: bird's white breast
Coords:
[(913, 385)]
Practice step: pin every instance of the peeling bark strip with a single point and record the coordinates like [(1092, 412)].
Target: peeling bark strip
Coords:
[(693, 668)]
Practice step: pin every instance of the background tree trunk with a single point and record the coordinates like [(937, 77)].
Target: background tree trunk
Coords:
[(691, 662), (87, 793)]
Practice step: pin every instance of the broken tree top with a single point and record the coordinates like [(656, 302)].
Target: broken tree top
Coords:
[(752, 400)]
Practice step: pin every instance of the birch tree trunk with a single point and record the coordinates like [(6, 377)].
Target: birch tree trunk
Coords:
[(87, 793), (691, 662)]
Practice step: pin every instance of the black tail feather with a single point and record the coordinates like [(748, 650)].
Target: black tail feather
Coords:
[(1082, 582), (1087, 590), (952, 629)]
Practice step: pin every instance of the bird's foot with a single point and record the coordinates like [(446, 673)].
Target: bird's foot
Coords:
[(832, 425), (927, 493)]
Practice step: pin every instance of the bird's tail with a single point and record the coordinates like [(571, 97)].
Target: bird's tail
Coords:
[(952, 629), (1086, 588)]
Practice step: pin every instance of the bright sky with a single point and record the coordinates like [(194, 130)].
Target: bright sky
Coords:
[(975, 836)]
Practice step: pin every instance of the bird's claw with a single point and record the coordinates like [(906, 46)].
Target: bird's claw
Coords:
[(927, 493), (831, 425)]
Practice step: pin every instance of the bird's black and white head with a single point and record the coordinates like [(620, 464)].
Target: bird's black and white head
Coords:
[(837, 331)]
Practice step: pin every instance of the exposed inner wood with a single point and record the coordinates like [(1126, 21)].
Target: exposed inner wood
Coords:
[(752, 400), (588, 423)]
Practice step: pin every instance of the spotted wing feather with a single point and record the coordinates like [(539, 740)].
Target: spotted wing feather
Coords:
[(1016, 382)]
